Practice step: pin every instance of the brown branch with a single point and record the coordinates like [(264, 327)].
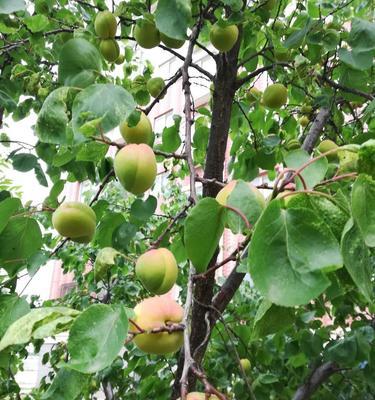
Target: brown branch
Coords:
[(259, 71), (105, 181), (346, 89), (212, 181), (14, 45), (351, 175), (316, 129), (181, 214), (317, 378)]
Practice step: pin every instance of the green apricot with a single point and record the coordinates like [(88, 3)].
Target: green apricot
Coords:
[(223, 38), (253, 95), (75, 220), (109, 49), (275, 96), (135, 167), (327, 145), (157, 270), (155, 86), (105, 25), (141, 133), (146, 34), (170, 42)]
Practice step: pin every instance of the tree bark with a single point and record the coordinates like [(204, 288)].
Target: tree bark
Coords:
[(317, 377), (223, 96)]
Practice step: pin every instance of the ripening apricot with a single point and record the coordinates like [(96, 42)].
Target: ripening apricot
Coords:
[(155, 86), (156, 312), (110, 49), (146, 34), (75, 220), (275, 96), (328, 145), (245, 364), (140, 133), (170, 42), (253, 95), (135, 167), (157, 270), (105, 25), (223, 38), (200, 396)]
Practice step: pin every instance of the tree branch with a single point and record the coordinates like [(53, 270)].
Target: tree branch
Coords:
[(357, 92), (317, 378)]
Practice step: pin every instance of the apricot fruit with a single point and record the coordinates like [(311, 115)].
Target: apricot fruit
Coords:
[(135, 167), (110, 49), (200, 396), (253, 95), (223, 38), (155, 86), (146, 34), (105, 25), (157, 312), (170, 42), (304, 121), (327, 145), (245, 364), (275, 96), (75, 220), (140, 133), (157, 270)]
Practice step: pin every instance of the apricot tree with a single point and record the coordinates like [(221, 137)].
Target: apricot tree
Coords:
[(295, 316)]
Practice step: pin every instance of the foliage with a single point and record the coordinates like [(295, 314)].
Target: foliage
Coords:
[(305, 261)]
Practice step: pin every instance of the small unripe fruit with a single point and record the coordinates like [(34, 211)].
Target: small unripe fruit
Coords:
[(327, 145), (292, 144), (156, 312), (253, 95), (200, 396), (224, 193), (304, 121), (306, 109), (75, 220), (223, 38), (155, 86), (170, 42), (269, 4), (140, 133), (282, 55), (275, 96), (135, 167), (146, 34), (109, 49), (157, 270), (120, 59), (105, 25), (246, 365)]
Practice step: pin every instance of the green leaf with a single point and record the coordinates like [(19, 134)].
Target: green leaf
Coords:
[(141, 211), (356, 59), (110, 103), (344, 351), (362, 35), (8, 7), (107, 226), (40, 176), (170, 138), (357, 258), (366, 158), (37, 324), (25, 238), (36, 23), (12, 308), (67, 385), (271, 318), (297, 37), (54, 116), (79, 64), (204, 226), (244, 199), (24, 162), (312, 174), (363, 210), (96, 337), (123, 235), (172, 17), (92, 151), (7, 208), (288, 254)]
